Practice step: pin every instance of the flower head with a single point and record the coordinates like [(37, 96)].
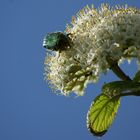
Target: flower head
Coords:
[(95, 34)]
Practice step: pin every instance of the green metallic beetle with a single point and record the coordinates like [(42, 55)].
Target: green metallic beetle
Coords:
[(56, 41)]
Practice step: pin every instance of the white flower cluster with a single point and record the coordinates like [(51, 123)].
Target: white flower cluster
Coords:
[(96, 34)]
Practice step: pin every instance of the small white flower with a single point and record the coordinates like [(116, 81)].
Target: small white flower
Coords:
[(96, 34)]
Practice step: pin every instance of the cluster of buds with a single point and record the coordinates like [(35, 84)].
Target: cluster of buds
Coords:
[(80, 54)]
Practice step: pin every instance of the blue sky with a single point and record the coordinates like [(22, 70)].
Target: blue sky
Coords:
[(29, 110)]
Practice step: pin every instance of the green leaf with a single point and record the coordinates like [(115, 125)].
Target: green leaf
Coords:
[(102, 113), (137, 77), (105, 106)]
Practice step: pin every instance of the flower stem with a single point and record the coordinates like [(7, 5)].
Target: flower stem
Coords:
[(117, 70), (128, 94)]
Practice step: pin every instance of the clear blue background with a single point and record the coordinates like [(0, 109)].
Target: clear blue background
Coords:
[(28, 108)]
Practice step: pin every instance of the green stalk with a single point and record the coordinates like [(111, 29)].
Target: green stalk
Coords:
[(128, 94), (117, 70)]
